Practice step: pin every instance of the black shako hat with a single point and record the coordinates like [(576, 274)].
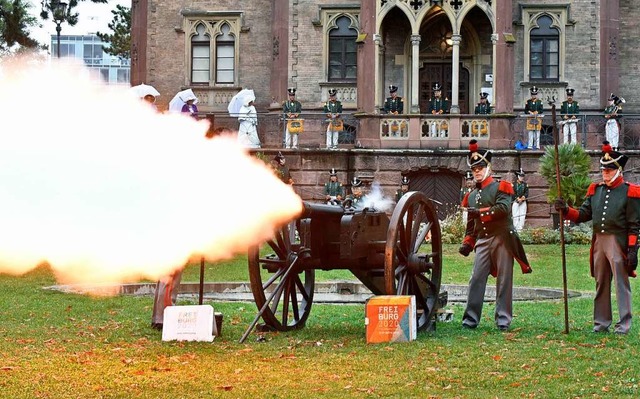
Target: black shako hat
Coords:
[(612, 159), (393, 89), (405, 181), (291, 91), (477, 156)]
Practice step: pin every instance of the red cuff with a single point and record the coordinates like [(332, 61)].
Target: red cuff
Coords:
[(572, 214), (470, 241), (486, 215), (633, 240)]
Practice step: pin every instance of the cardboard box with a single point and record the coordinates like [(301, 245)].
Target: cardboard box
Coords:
[(390, 318), (189, 323)]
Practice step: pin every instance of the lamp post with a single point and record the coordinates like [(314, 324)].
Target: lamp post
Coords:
[(58, 11)]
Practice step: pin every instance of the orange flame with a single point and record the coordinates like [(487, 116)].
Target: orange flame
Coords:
[(106, 190)]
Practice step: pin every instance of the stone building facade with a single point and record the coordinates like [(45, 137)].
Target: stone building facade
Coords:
[(360, 47)]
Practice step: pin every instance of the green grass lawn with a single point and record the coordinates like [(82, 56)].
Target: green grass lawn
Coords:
[(56, 345)]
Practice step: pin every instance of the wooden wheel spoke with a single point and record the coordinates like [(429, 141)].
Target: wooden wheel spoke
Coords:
[(415, 225), (421, 236), (420, 300), (432, 287), (302, 289), (294, 302), (279, 250), (273, 278), (276, 298), (285, 302)]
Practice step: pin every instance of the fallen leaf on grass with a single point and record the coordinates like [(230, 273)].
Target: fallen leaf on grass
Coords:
[(225, 387), (287, 356), (497, 358), (7, 368)]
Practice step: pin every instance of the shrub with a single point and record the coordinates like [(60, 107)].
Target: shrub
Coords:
[(574, 172), (452, 227)]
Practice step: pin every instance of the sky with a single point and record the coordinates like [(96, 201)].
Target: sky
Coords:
[(93, 18)]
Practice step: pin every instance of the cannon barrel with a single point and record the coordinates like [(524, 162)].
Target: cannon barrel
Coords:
[(311, 210)]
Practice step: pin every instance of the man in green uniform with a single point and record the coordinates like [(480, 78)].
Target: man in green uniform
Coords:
[(438, 106), (394, 104), (484, 106), (357, 195), (614, 207), (490, 232), (569, 109), (612, 113), (404, 188), (533, 108), (281, 169), (291, 110), (333, 109), (333, 190), (519, 206)]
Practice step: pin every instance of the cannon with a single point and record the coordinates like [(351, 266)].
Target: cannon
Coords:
[(401, 255)]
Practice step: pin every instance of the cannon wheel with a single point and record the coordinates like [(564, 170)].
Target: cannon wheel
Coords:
[(290, 306), (413, 255)]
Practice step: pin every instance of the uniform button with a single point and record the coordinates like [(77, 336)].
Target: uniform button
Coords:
[(605, 207), (602, 218), (602, 231), (606, 202)]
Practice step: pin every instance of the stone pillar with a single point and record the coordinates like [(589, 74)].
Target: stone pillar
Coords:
[(380, 71), (415, 74), (366, 55), (455, 74), (609, 39), (280, 52), (139, 13), (503, 60)]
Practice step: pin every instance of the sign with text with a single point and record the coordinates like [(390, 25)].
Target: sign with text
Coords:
[(188, 323), (391, 318)]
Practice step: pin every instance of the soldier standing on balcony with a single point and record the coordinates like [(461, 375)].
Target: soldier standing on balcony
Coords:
[(490, 232), (484, 106), (291, 110), (534, 108), (394, 104), (569, 109), (612, 112), (614, 207), (438, 106), (333, 109)]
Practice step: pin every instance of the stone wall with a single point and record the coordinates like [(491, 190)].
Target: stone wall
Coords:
[(310, 171)]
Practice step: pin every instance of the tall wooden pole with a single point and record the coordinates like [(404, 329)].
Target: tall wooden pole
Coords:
[(558, 186)]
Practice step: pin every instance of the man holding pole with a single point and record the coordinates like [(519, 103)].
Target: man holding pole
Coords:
[(614, 207), (490, 232)]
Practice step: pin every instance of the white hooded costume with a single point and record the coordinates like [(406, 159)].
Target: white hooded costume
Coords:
[(248, 118)]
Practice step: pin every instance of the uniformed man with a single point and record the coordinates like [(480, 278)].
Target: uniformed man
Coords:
[(484, 106), (281, 169), (490, 232), (569, 109), (533, 107), (333, 190), (357, 193), (519, 206), (438, 106), (333, 109), (612, 113), (291, 110), (394, 104), (404, 188), (614, 207)]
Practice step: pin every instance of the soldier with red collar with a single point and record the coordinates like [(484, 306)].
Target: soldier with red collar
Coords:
[(614, 207), (490, 232)]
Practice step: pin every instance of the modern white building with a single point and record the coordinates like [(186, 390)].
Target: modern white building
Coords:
[(88, 48)]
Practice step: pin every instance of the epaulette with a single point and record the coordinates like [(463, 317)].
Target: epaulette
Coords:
[(506, 187), (401, 99), (592, 189), (634, 191)]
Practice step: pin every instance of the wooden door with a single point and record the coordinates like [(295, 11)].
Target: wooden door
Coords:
[(440, 185), (441, 73)]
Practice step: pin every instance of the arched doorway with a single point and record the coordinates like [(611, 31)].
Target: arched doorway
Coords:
[(441, 185), (441, 73)]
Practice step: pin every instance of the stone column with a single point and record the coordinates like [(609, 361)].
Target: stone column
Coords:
[(139, 13), (280, 52), (366, 56), (609, 39), (455, 73), (503, 60), (379, 50), (415, 74)]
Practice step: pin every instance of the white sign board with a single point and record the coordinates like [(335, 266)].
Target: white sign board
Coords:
[(188, 323)]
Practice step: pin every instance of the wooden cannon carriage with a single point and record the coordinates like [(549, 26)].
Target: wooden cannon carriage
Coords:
[(397, 256)]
